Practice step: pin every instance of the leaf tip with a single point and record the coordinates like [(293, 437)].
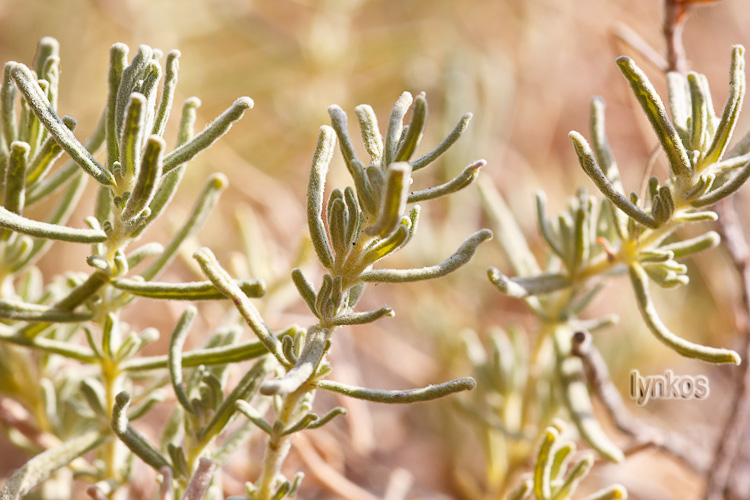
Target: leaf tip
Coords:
[(243, 103)]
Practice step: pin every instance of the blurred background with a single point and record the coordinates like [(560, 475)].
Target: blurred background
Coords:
[(526, 69)]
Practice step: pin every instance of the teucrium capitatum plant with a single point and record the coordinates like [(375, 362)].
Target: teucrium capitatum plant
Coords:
[(76, 318), (359, 226), (595, 238), (136, 183)]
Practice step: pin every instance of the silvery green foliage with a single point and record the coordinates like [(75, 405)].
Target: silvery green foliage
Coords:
[(352, 232), (75, 318), (597, 237), (74, 321), (555, 475)]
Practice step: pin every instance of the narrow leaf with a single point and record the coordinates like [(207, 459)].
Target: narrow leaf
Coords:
[(368, 124), (315, 193), (147, 179), (42, 109), (21, 224), (464, 253), (463, 179), (654, 323), (208, 135), (654, 108), (732, 108), (176, 341), (525, 286), (43, 465), (399, 397), (395, 124), (221, 280), (592, 169)]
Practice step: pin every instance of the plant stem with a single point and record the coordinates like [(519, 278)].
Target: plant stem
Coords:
[(278, 444), (630, 249), (110, 375), (675, 14)]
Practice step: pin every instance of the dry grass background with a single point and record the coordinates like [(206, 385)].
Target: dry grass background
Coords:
[(525, 68)]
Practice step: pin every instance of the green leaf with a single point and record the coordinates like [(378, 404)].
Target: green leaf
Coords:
[(118, 54), (592, 169), (727, 188), (395, 124), (129, 78), (42, 109), (464, 253), (197, 290), (176, 341), (221, 280), (132, 139), (525, 286), (305, 289), (20, 224), (579, 470), (132, 438), (315, 192), (693, 245), (15, 177), (408, 144), (208, 135), (543, 464), (652, 105), (400, 397), (46, 155), (688, 349), (147, 179), (23, 311), (368, 124), (732, 107), (43, 465), (167, 93), (8, 93), (393, 201), (362, 318), (461, 181)]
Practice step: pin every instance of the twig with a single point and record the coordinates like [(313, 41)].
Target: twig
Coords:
[(644, 434), (675, 15), (201, 480), (729, 442)]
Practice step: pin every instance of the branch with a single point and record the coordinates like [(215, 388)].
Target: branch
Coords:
[(597, 376), (729, 442)]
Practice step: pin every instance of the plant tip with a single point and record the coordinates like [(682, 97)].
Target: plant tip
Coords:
[(193, 102), (244, 103), (218, 180)]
